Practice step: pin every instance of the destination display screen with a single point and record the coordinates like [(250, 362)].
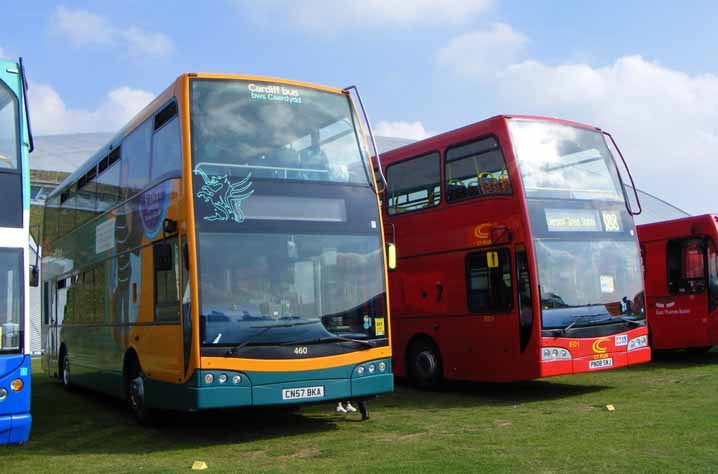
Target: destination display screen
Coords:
[(582, 220), (572, 220)]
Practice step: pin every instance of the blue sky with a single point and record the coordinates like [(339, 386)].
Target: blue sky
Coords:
[(646, 71)]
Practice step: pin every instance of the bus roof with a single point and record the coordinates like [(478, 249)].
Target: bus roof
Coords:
[(466, 133), (171, 91), (693, 225)]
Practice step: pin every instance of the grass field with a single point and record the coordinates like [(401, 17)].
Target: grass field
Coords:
[(666, 420)]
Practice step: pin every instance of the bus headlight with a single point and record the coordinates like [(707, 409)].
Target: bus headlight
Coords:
[(554, 353), (222, 378), (637, 343), (3, 394), (208, 378), (16, 385), (360, 370), (382, 367), (236, 379), (372, 368)]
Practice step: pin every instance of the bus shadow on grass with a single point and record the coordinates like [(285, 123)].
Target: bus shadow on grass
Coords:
[(89, 422), (679, 359), (458, 394)]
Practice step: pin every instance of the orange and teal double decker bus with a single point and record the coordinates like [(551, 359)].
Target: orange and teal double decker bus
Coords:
[(224, 249)]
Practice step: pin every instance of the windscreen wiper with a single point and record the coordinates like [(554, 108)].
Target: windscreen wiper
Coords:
[(564, 331), (630, 321), (319, 340), (264, 330)]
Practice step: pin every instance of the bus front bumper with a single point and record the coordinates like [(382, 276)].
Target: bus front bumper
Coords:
[(595, 363), (15, 429), (15, 419), (247, 388)]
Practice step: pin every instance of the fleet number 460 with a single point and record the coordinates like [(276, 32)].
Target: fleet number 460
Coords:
[(301, 350)]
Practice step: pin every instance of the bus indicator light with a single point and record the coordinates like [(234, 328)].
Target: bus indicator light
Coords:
[(16, 385)]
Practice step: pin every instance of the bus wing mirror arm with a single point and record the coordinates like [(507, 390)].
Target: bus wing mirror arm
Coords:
[(371, 134), (633, 185)]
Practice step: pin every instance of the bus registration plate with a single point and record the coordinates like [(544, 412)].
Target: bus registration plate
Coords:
[(305, 392), (600, 363)]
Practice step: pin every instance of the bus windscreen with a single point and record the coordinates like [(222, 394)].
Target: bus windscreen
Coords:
[(564, 162), (274, 131)]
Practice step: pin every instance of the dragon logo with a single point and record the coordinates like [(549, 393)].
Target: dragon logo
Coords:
[(226, 197)]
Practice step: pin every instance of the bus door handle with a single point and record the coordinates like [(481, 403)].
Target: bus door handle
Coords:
[(439, 291)]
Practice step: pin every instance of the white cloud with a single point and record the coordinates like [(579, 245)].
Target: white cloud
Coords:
[(483, 53), (320, 16), (50, 115), (665, 121), (410, 130), (86, 28)]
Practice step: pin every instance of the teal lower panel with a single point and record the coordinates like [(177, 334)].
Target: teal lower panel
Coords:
[(266, 388), (372, 385), (221, 397)]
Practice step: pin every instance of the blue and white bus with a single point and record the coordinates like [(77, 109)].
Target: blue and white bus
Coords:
[(17, 272)]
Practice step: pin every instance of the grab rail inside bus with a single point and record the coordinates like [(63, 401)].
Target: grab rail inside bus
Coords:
[(25, 87), (371, 134), (633, 185)]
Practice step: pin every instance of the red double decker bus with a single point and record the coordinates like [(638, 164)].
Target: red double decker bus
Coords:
[(681, 264), (517, 254)]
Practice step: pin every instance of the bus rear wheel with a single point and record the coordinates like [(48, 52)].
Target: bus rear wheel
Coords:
[(65, 370), (424, 364)]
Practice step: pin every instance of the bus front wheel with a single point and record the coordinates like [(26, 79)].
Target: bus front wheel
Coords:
[(136, 399), (424, 364)]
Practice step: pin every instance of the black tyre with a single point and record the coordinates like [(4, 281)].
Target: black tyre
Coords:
[(65, 370), (424, 364), (136, 397)]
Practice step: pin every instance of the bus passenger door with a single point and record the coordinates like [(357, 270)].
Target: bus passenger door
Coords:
[(684, 314), (492, 324), (712, 266), (48, 317), (163, 344)]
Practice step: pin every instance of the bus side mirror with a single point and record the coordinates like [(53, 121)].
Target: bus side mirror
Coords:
[(163, 257), (34, 276), (391, 257)]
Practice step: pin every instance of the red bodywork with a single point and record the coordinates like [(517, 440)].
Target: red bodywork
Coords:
[(679, 258), (428, 288)]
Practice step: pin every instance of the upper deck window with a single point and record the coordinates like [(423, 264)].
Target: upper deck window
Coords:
[(564, 162), (274, 131), (413, 184), (8, 130), (476, 169)]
